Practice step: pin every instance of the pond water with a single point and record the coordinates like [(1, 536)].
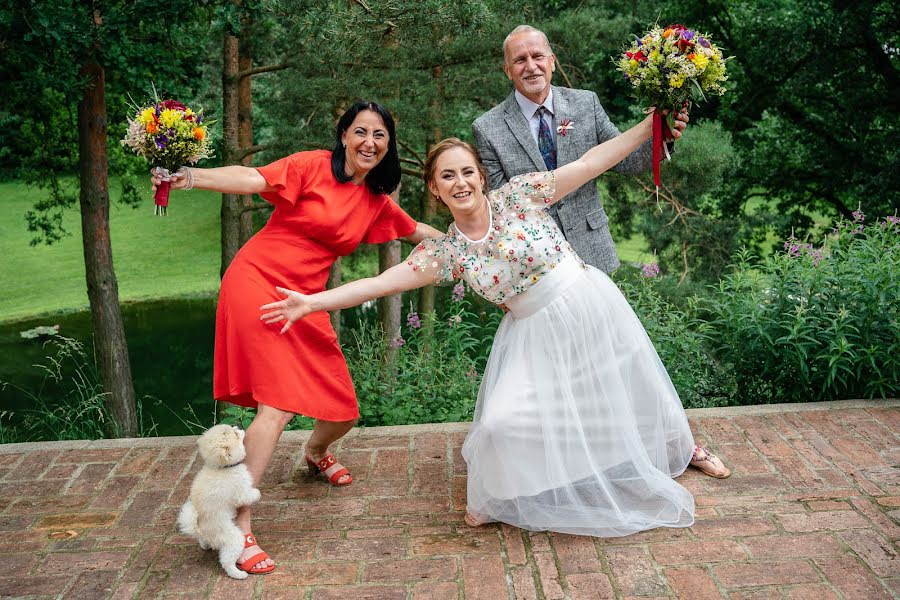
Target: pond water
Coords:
[(170, 344)]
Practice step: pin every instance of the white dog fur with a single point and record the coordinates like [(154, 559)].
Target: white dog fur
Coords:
[(222, 485)]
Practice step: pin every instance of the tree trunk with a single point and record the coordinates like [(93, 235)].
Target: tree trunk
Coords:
[(245, 118), (389, 307), (102, 288), (231, 204), (429, 204), (334, 280)]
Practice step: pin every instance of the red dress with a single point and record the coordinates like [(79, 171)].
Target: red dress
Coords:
[(316, 219)]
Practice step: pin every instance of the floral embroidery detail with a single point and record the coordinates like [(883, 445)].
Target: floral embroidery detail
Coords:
[(525, 243), (432, 255)]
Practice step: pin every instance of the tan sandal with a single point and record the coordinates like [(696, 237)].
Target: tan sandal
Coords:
[(710, 464)]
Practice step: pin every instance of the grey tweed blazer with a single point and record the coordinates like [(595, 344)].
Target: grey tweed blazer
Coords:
[(508, 149)]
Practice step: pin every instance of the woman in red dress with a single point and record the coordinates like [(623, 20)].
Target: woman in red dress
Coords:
[(326, 204)]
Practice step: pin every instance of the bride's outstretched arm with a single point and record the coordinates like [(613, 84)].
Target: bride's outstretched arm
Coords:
[(601, 158), (296, 305)]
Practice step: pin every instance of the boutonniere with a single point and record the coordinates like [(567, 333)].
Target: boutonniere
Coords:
[(564, 127)]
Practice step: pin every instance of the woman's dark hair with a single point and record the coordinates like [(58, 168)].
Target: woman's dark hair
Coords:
[(385, 177)]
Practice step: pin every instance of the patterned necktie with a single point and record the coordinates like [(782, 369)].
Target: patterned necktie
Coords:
[(545, 140)]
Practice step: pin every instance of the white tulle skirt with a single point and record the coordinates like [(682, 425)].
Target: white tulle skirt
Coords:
[(577, 428)]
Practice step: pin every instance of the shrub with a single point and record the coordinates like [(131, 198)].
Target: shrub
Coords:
[(436, 370), (815, 323)]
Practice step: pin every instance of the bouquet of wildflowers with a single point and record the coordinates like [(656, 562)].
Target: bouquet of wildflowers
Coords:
[(669, 68), (169, 135)]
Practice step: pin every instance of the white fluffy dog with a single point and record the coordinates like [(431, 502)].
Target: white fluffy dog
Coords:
[(221, 486)]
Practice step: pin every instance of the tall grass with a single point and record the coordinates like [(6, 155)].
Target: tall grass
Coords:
[(70, 404)]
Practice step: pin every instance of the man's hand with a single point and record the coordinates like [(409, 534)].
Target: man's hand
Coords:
[(293, 308)]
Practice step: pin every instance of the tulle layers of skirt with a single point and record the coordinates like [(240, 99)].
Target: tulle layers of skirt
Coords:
[(577, 427)]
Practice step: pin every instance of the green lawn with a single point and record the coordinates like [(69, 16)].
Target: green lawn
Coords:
[(154, 257), (634, 250)]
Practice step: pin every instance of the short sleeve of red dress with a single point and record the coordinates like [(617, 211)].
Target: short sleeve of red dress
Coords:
[(286, 175), (391, 223)]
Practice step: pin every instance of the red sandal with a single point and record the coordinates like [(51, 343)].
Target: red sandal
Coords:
[(316, 468), (248, 565)]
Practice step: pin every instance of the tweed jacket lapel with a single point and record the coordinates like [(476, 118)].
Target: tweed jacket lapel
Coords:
[(565, 147), (516, 122)]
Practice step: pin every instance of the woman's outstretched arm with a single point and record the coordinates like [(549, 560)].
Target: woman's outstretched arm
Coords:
[(600, 158), (295, 306), (233, 179)]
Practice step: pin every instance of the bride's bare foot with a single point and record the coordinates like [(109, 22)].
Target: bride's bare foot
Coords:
[(472, 521)]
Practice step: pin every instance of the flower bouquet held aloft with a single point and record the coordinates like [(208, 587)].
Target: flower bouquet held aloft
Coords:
[(669, 68), (169, 135)]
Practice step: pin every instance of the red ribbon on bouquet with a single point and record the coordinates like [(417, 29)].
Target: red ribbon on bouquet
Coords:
[(161, 197), (661, 132)]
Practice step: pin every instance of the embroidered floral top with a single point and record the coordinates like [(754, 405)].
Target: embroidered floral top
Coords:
[(522, 243)]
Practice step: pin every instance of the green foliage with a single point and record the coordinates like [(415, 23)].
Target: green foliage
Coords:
[(47, 45), (688, 227), (815, 323), (434, 377), (242, 416), (815, 121), (233, 414)]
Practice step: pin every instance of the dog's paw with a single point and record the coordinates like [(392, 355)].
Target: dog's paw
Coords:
[(236, 573), (255, 495), (204, 545)]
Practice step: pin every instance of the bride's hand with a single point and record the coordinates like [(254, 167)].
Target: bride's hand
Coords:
[(680, 121), (293, 308)]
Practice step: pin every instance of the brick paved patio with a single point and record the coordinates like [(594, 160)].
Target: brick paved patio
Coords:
[(812, 512)]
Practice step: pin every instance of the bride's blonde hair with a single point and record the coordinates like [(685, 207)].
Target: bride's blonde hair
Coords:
[(449, 144)]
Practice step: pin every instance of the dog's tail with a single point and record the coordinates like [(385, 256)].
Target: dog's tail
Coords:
[(187, 519)]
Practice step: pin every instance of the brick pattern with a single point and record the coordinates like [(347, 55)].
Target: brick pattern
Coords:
[(811, 512)]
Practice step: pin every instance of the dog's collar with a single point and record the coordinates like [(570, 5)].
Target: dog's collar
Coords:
[(234, 465)]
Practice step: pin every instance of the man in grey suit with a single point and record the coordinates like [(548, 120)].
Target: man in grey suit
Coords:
[(540, 127)]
